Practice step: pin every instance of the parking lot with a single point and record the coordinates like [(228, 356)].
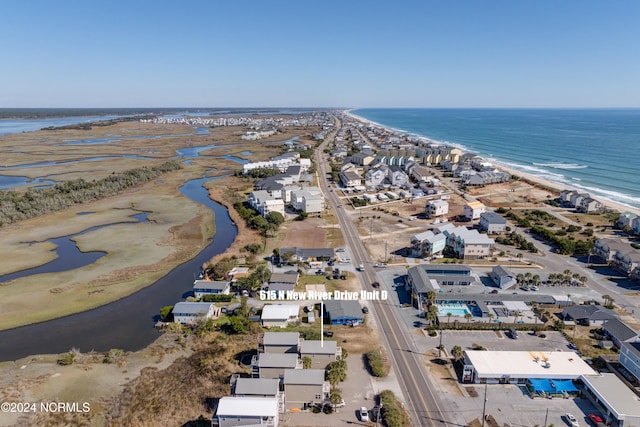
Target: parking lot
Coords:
[(462, 403)]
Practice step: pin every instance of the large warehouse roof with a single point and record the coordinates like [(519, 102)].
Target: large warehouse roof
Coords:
[(528, 364)]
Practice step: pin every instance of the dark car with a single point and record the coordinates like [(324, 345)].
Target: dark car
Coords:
[(375, 284), (328, 334), (365, 310), (513, 334)]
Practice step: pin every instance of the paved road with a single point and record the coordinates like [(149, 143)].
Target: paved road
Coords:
[(422, 405)]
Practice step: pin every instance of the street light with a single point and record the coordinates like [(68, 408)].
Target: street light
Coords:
[(378, 414), (484, 406)]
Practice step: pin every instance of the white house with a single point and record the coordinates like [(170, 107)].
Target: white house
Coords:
[(492, 223), (630, 357), (265, 202), (189, 313), (279, 314), (436, 208), (375, 176), (308, 200), (246, 411), (210, 287), (473, 210)]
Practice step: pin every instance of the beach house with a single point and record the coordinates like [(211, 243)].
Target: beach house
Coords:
[(305, 387), (210, 287), (473, 210), (273, 365), (279, 342), (190, 313), (246, 411), (427, 244), (492, 223), (321, 353), (436, 208)]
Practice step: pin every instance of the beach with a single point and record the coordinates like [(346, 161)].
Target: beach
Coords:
[(534, 178)]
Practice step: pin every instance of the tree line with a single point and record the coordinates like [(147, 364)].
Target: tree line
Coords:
[(16, 206)]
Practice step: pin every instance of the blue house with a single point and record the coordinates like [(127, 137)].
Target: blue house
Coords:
[(341, 312)]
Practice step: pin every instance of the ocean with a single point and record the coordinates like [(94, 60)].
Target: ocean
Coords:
[(591, 150)]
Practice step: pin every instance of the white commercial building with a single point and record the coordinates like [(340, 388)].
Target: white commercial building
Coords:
[(614, 398), (505, 367)]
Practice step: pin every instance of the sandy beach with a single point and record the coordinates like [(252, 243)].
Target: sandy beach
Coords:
[(543, 182)]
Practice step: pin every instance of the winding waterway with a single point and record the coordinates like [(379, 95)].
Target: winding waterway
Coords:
[(127, 323)]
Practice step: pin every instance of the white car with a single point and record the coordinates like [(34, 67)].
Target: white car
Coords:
[(571, 420), (364, 414)]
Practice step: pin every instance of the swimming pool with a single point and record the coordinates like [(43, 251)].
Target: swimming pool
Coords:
[(458, 310)]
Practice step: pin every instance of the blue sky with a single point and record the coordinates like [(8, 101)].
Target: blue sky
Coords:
[(423, 53)]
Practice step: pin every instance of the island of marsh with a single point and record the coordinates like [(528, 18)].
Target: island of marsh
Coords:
[(136, 253)]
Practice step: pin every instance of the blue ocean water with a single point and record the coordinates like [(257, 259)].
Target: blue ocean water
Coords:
[(592, 150)]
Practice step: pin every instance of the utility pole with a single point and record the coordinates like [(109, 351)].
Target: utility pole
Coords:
[(545, 418), (484, 405), (440, 346)]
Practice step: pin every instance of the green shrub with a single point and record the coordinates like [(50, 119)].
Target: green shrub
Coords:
[(376, 364), (393, 415)]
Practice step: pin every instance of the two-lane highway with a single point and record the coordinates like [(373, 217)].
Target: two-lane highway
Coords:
[(422, 405)]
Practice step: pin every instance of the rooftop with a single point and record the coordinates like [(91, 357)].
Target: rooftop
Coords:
[(528, 364), (248, 406), (615, 394), (318, 347), (192, 307), (257, 386), (279, 311), (304, 376), (281, 338), (277, 360)]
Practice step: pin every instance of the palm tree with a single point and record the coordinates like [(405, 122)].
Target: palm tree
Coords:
[(432, 313), (536, 279), (456, 352), (491, 316), (468, 316), (449, 318)]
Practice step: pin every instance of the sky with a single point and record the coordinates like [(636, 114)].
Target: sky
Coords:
[(345, 54)]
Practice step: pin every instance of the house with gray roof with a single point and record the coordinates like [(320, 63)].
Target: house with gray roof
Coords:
[(210, 287), (308, 254), (619, 332), (272, 365), (257, 387), (190, 313), (503, 277), (343, 312), (492, 223), (279, 342), (588, 315), (321, 352), (606, 249), (427, 243), (630, 358), (305, 387), (626, 261), (426, 278), (350, 178), (626, 220)]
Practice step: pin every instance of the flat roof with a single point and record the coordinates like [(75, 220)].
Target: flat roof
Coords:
[(304, 376), (281, 338), (277, 360), (318, 347), (192, 307), (523, 364), (279, 312), (615, 394), (257, 386), (248, 406)]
